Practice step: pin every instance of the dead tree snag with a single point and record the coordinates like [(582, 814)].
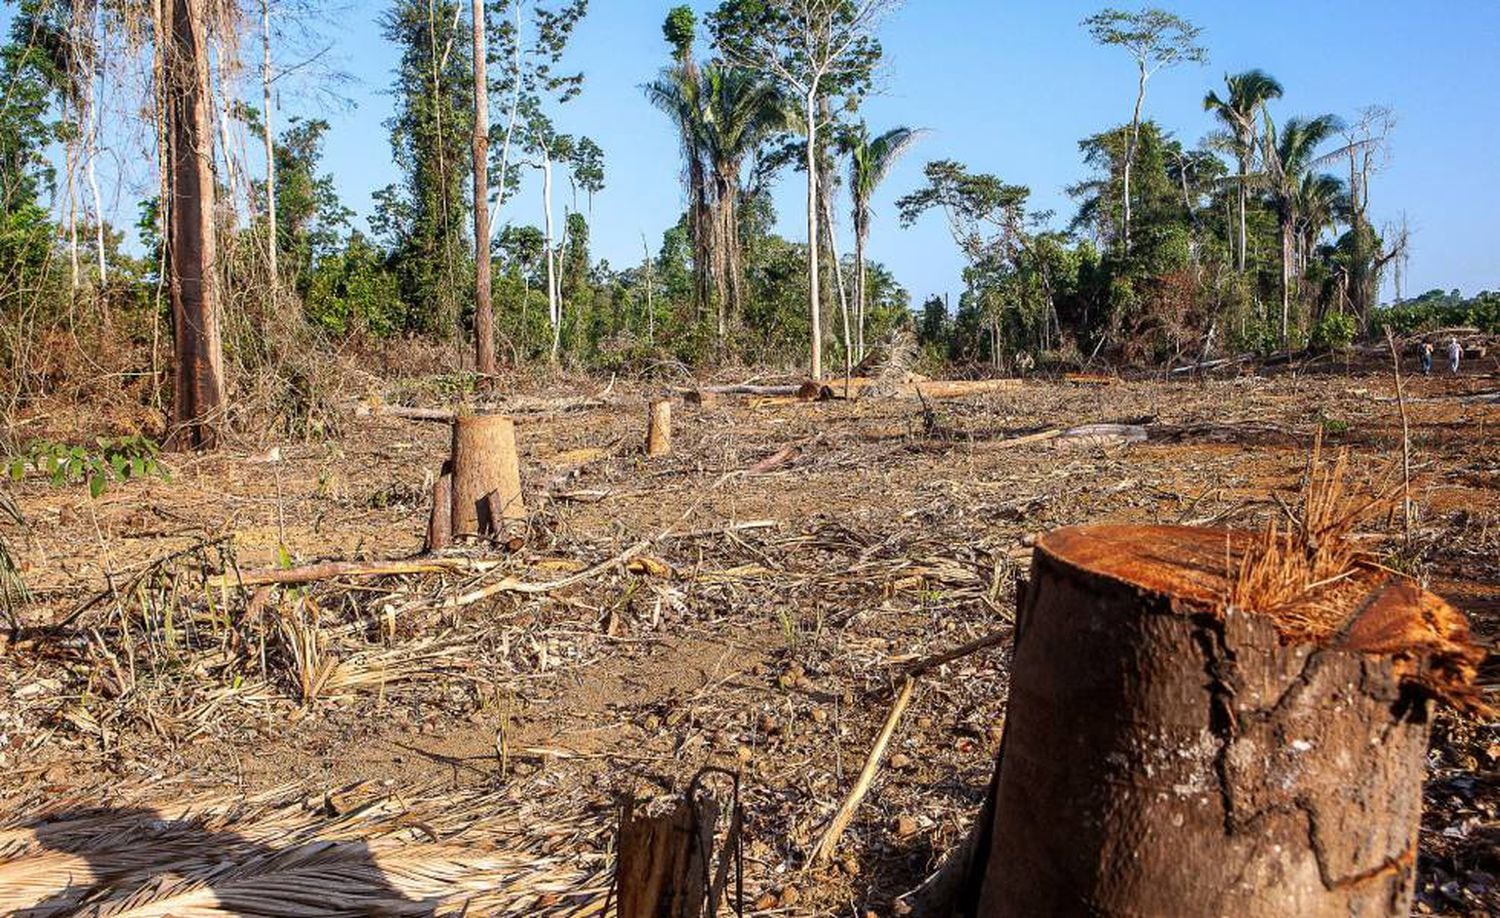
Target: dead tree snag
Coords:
[(486, 474), (1167, 752)]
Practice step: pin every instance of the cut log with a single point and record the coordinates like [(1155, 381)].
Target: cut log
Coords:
[(484, 464), (659, 428), (1168, 754), (440, 523)]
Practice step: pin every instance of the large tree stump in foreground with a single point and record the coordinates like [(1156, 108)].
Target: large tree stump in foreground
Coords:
[(659, 428), (486, 474), (1167, 754)]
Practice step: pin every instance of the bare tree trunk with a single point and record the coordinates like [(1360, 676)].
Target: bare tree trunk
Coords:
[(1286, 281), (70, 154), (1135, 136), (810, 114), (838, 276), (1244, 201), (198, 396), (861, 278), (554, 300), (272, 240), (92, 140), (484, 317)]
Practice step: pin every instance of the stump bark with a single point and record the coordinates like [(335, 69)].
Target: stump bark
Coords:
[(664, 862), (1167, 755), (486, 475), (659, 428)]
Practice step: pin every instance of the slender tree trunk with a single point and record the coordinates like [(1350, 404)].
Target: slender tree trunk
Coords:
[(70, 154), (1244, 200), (1286, 280), (1135, 136), (861, 297), (484, 317), (272, 242), (91, 139), (838, 276), (198, 396), (810, 113), (554, 303)]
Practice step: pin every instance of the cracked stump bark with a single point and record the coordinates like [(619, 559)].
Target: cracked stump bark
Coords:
[(1167, 755)]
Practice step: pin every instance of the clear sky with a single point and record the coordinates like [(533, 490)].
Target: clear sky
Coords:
[(1010, 87)]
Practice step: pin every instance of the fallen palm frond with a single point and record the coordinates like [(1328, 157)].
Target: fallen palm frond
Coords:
[(361, 851)]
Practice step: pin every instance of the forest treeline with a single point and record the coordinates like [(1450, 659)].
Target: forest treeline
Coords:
[(1258, 238)]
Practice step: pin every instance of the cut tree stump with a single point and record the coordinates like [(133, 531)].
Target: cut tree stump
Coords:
[(664, 861), (659, 428), (1167, 754), (486, 474)]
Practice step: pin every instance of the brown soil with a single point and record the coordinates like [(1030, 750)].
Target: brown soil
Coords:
[(770, 647)]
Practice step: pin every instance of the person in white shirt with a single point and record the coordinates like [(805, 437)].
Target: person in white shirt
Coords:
[(1455, 354)]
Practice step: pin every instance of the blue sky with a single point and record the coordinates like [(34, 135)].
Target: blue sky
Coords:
[(1009, 88)]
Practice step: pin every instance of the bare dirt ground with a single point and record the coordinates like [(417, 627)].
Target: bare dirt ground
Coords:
[(762, 628)]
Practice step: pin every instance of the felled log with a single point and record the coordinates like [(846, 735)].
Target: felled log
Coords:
[(1169, 753), (659, 428), (486, 475)]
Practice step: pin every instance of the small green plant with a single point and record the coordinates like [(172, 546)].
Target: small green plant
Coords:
[(1335, 332), (1333, 426), (111, 459)]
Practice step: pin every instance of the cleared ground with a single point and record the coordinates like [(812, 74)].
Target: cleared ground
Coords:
[(761, 626)]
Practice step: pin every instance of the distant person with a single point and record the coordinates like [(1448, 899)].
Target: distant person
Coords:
[(1455, 354), (1426, 358)]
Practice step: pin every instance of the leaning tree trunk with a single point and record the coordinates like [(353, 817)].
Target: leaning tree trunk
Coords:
[(1165, 754), (198, 396)]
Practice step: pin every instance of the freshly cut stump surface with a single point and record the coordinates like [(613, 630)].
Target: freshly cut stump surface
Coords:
[(1165, 754)]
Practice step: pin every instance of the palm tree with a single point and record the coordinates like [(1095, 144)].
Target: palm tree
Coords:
[(676, 93), (1248, 94), (1290, 156), (727, 113), (1322, 201), (870, 161)]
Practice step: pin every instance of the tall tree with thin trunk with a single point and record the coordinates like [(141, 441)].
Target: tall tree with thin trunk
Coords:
[(1240, 113), (198, 377), (1156, 39), (870, 161), (680, 31), (272, 243), (484, 317), (811, 48)]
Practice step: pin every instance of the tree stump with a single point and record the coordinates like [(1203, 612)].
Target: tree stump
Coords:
[(1166, 754), (440, 523), (659, 428), (664, 860), (486, 474)]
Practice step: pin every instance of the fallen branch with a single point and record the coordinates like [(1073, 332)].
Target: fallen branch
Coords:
[(845, 815), (332, 570)]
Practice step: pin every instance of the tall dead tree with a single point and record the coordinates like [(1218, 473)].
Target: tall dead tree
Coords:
[(484, 317), (273, 243), (1194, 730), (198, 375)]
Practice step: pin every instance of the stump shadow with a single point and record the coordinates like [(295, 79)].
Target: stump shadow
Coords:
[(138, 856)]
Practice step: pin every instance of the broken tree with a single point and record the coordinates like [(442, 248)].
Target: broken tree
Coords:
[(1196, 729)]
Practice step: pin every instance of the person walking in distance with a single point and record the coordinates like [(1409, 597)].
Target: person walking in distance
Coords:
[(1455, 354), (1426, 358)]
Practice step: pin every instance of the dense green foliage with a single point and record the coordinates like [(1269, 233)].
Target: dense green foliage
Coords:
[(1258, 238)]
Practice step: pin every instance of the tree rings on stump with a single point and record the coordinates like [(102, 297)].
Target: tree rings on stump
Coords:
[(486, 474), (1168, 754)]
